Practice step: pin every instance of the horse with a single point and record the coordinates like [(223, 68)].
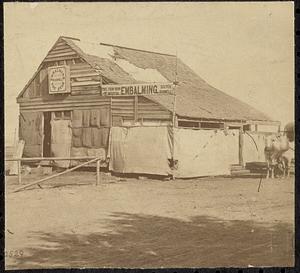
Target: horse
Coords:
[(285, 162), (275, 146)]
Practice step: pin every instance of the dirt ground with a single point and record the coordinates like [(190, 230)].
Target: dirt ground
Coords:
[(148, 223)]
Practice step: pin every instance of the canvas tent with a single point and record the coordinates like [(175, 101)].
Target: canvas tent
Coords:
[(113, 101)]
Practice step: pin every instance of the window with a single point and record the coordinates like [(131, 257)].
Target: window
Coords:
[(212, 125), (58, 115), (62, 115), (67, 114), (200, 125), (234, 127), (190, 124), (247, 127)]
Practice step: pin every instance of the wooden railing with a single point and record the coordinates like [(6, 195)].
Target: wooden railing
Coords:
[(32, 159)]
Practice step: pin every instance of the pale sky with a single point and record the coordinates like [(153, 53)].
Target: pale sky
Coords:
[(243, 49)]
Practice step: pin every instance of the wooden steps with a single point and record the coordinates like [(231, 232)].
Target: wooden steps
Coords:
[(256, 167), (238, 170)]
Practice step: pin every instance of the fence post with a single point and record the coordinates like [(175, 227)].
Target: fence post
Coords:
[(19, 172), (98, 173), (241, 147)]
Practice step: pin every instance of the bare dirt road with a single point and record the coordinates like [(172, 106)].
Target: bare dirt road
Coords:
[(207, 222)]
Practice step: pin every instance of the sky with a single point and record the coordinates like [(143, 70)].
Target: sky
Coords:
[(245, 49)]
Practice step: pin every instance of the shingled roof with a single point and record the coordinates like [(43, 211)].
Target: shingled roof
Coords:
[(195, 98)]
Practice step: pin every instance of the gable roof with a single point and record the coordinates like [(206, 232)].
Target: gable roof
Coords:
[(195, 98)]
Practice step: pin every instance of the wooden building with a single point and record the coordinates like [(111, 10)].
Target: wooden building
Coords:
[(67, 109)]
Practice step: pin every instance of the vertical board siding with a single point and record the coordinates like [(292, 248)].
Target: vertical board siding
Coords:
[(30, 130)]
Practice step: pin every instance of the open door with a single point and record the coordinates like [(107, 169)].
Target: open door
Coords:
[(61, 136), (47, 135)]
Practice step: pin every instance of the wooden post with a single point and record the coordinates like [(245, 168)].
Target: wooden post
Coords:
[(98, 173), (111, 114), (241, 146), (135, 109), (15, 137), (174, 120), (173, 129), (19, 172)]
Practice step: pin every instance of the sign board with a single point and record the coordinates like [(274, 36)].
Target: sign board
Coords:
[(59, 79), (136, 89)]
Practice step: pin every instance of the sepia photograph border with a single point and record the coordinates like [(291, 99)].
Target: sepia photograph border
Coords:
[(295, 269)]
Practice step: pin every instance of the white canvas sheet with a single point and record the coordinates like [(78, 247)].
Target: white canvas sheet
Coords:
[(140, 74), (205, 152), (139, 150), (61, 139)]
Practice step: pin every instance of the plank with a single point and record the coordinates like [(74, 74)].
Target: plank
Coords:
[(62, 50), (17, 154), (85, 83), (85, 73), (78, 66), (86, 92), (59, 58), (61, 55), (61, 47)]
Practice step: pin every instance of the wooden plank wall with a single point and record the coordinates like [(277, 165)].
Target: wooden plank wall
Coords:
[(129, 108), (148, 109), (123, 107), (69, 103)]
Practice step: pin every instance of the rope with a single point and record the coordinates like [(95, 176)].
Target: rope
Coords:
[(252, 140)]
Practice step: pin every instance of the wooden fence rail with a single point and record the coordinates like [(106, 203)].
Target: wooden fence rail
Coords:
[(50, 158), (90, 160)]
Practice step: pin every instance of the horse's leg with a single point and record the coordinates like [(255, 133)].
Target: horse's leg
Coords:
[(283, 169), (268, 170), (272, 172)]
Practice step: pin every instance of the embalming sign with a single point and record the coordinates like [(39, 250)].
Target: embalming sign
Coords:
[(137, 89), (59, 79)]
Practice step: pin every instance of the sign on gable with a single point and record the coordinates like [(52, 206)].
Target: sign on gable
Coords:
[(59, 79)]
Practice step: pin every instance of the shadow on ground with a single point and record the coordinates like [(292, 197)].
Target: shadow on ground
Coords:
[(152, 241)]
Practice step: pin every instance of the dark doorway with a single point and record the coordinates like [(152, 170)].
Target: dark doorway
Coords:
[(47, 135)]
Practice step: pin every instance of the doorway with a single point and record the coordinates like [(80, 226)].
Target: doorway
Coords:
[(47, 135)]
